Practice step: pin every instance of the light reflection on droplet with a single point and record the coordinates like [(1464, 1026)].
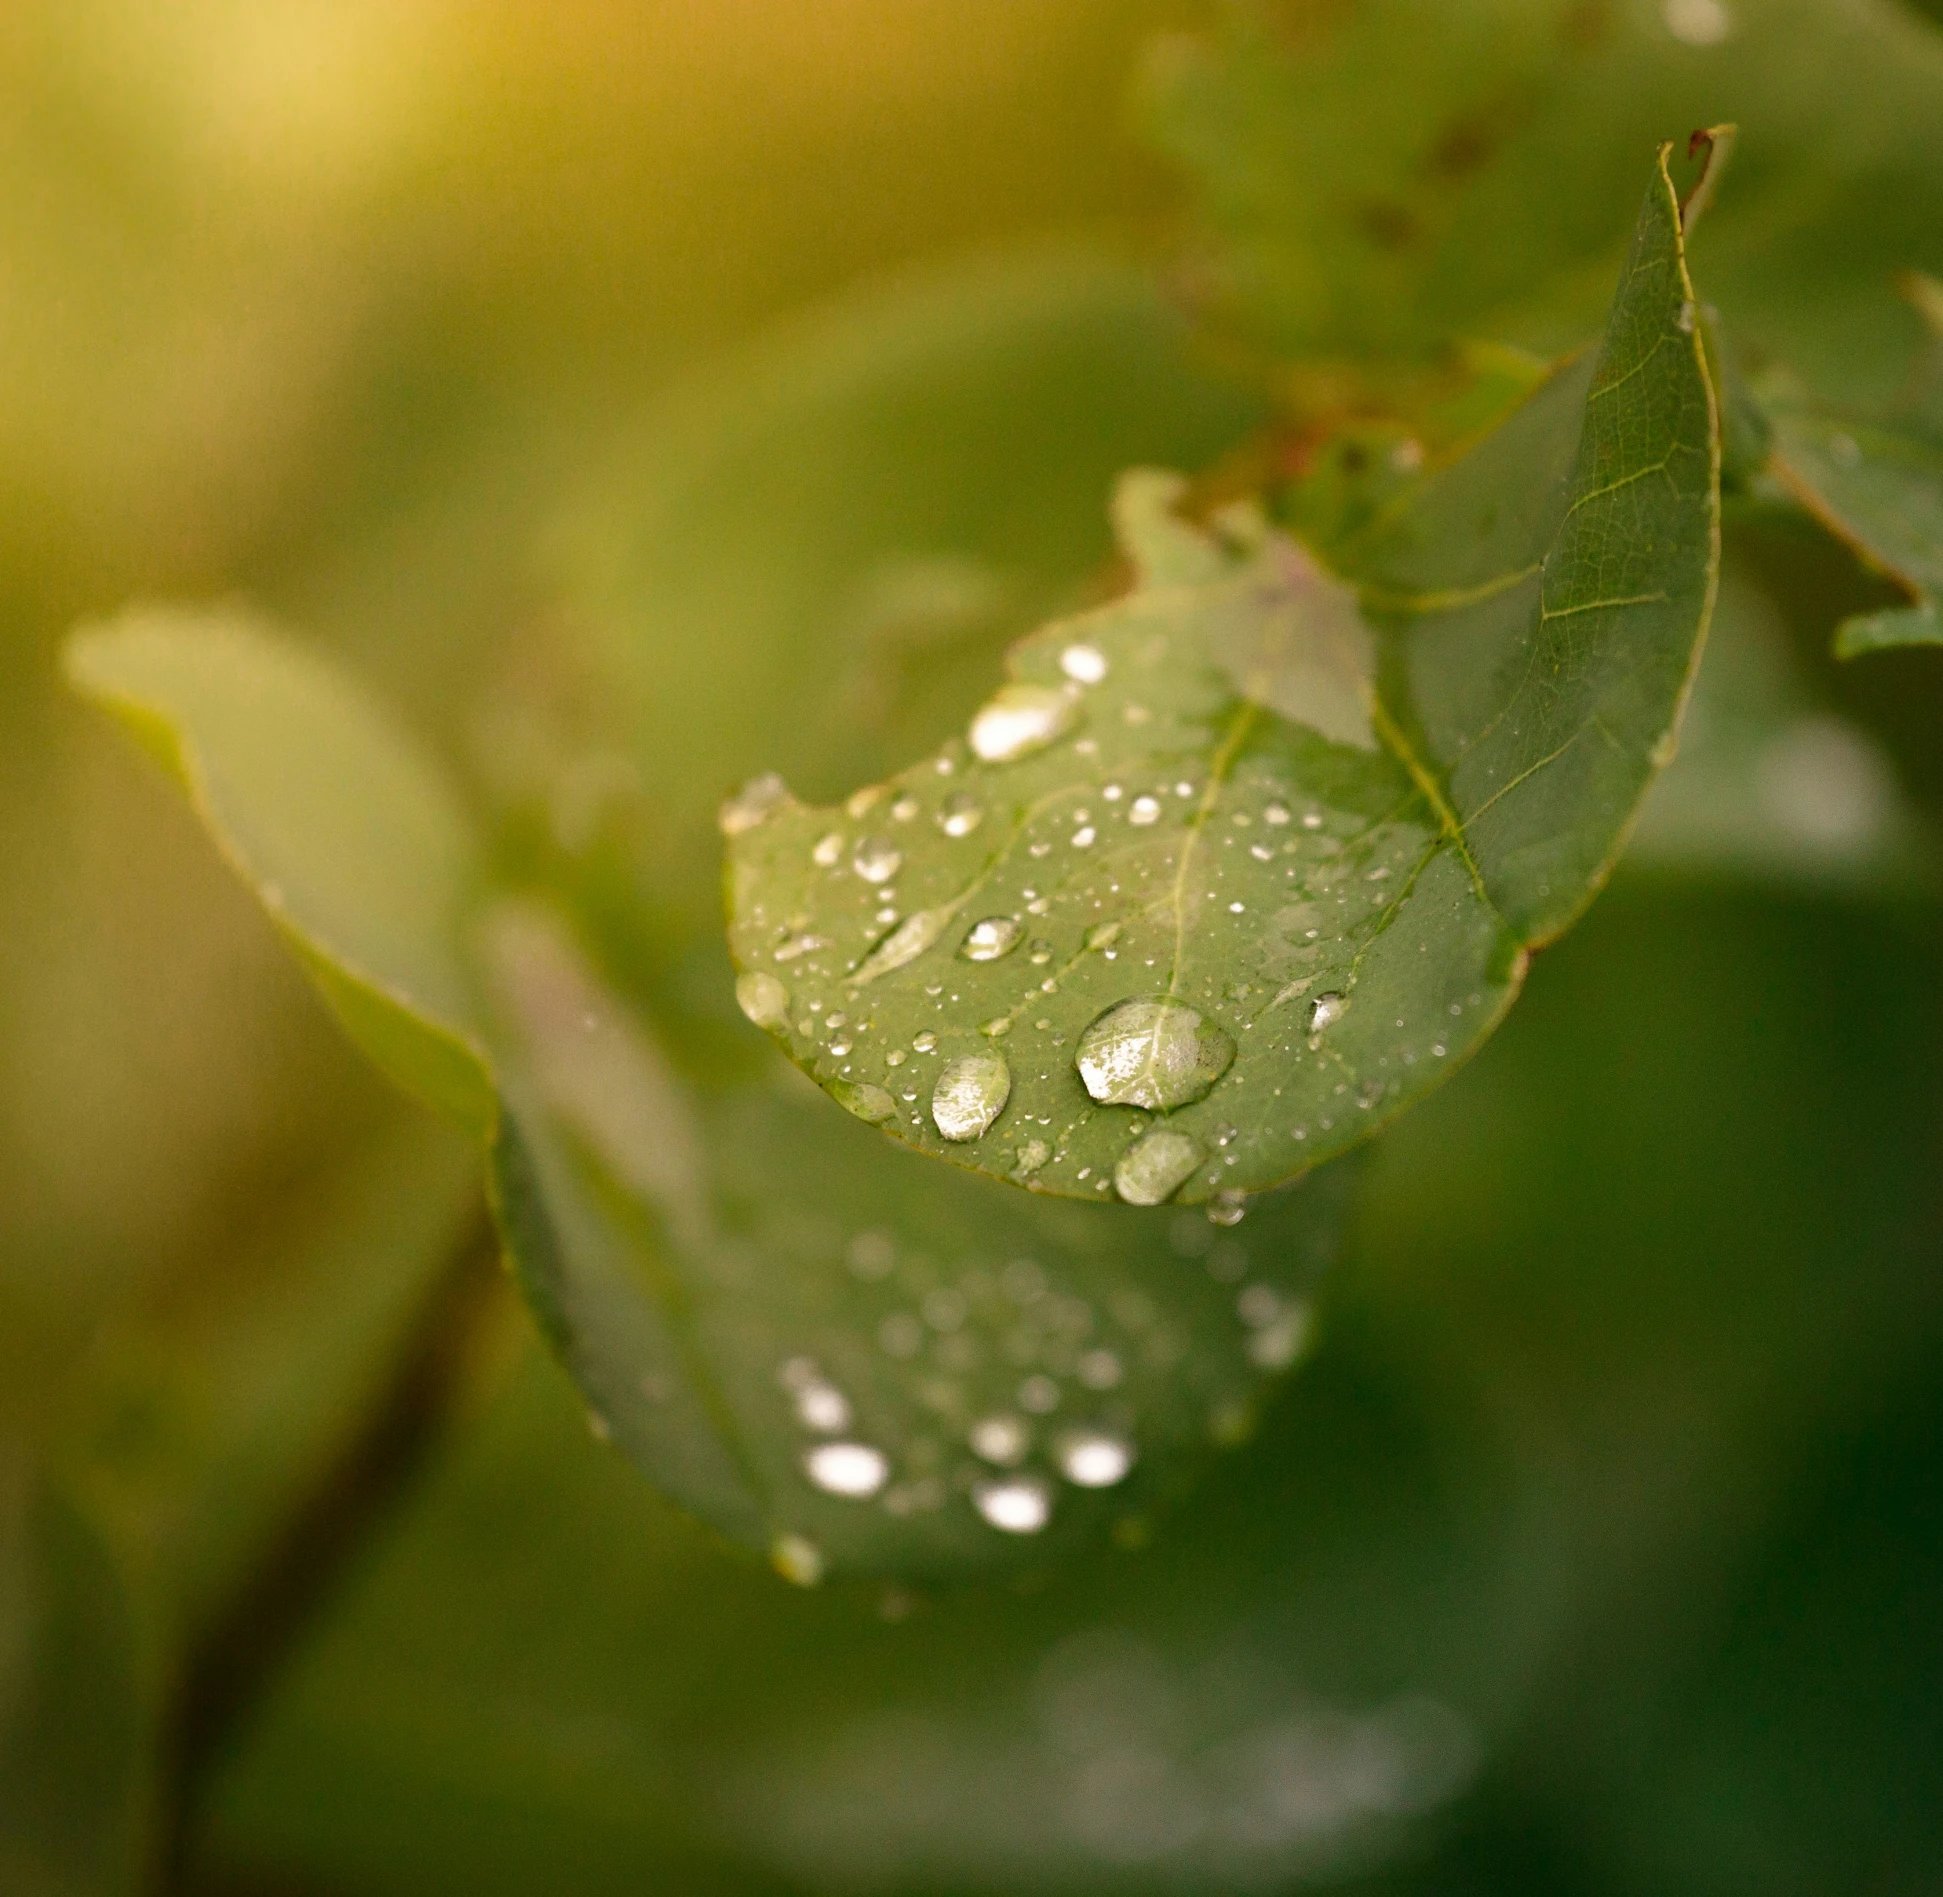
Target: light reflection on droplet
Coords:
[(1021, 1506), (1144, 810), (1083, 664), (1001, 1440), (1091, 1459), (855, 1470), (1017, 720), (1325, 1010), (995, 936), (877, 859)]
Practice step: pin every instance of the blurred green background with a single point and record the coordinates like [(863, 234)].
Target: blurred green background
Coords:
[(443, 332)]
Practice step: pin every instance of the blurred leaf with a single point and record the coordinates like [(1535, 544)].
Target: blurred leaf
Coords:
[(1389, 176), (1474, 725), (1876, 481)]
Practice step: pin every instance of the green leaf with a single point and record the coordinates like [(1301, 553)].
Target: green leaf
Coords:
[(1876, 482), (823, 1355), (1383, 178), (1238, 867), (353, 841)]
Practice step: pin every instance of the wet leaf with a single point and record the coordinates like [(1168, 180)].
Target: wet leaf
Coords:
[(1876, 481), (1259, 848), (826, 1354)]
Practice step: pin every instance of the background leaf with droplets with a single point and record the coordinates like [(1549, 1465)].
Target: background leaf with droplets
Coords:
[(1258, 850)]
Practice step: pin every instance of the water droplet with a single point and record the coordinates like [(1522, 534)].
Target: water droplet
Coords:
[(1276, 814), (1278, 1343), (997, 1027), (794, 946), (797, 1559), (1091, 1459), (1018, 720), (851, 1469), (970, 1094), (1031, 1156), (986, 941), (1155, 1167), (822, 1407), (960, 814), (828, 849), (861, 1098), (1021, 1506), (753, 803), (1085, 837), (1152, 1053), (905, 943), (925, 1042), (1324, 1010), (764, 1000), (1002, 1440), (1144, 810), (1102, 935), (1083, 664), (1228, 1207), (896, 1057), (877, 859), (904, 809)]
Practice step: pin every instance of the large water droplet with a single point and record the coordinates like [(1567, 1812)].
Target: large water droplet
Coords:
[(1021, 1506), (853, 1469), (752, 803), (1144, 810), (1000, 1439), (1083, 664), (970, 1094), (1018, 720), (877, 859), (861, 1098), (1091, 1459), (1324, 1010), (764, 1000), (960, 814), (986, 941), (1152, 1053), (1154, 1168), (905, 943)]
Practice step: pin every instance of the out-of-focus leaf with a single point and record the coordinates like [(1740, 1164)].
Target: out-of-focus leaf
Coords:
[(353, 841), (1390, 176), (74, 1770), (1876, 481), (1239, 866), (1613, 1294), (818, 1356)]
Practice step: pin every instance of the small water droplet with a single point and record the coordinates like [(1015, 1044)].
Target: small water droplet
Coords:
[(1325, 1010), (986, 941), (1021, 1506), (764, 1000), (1228, 1207), (1152, 1053), (792, 947), (1031, 1156), (797, 1559), (960, 814), (970, 1094), (828, 849), (1144, 810), (1091, 1459), (1018, 720), (753, 803), (1083, 664), (904, 944), (1085, 837), (877, 859), (821, 1406), (1276, 814), (904, 809), (1278, 1343), (864, 1100), (1002, 1440), (924, 1041), (1155, 1167), (855, 1470), (1312, 821)]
